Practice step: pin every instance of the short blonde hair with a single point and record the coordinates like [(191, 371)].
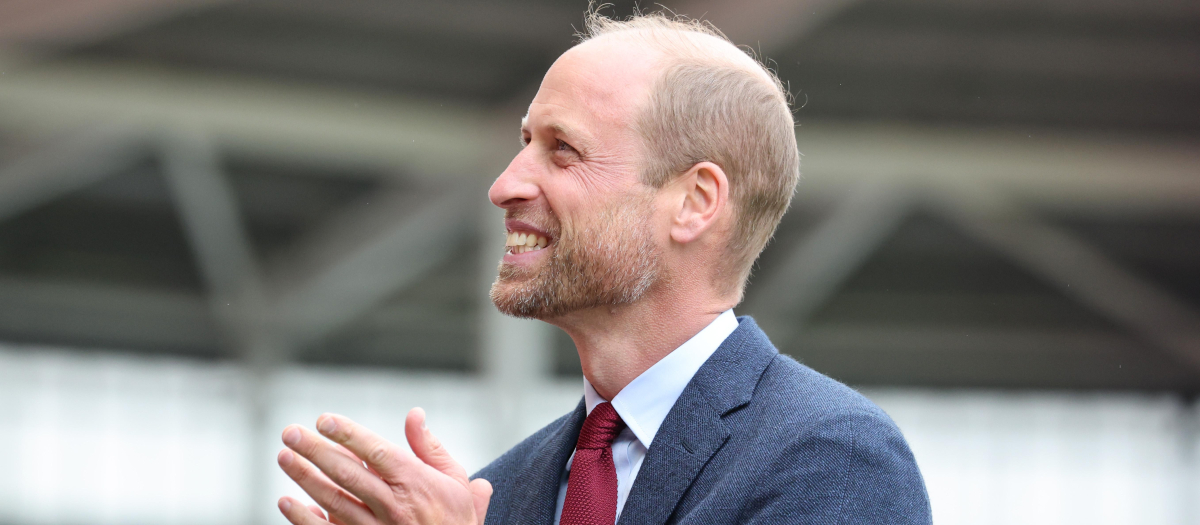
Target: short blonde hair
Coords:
[(715, 103)]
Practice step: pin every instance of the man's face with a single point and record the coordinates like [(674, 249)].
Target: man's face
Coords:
[(580, 223)]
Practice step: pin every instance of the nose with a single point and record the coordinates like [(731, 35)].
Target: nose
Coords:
[(516, 184)]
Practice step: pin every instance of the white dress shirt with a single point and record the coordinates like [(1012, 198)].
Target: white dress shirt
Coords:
[(644, 403)]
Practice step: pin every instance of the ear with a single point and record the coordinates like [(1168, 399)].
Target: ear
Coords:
[(705, 194)]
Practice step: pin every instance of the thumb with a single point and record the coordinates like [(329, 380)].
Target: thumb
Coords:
[(481, 491), (429, 449)]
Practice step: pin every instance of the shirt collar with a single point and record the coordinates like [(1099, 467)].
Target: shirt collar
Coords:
[(644, 403)]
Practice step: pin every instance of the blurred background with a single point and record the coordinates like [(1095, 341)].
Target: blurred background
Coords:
[(219, 217)]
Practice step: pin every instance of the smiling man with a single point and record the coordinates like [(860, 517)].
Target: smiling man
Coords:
[(657, 160)]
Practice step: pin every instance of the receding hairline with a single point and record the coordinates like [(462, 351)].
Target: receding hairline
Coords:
[(689, 44)]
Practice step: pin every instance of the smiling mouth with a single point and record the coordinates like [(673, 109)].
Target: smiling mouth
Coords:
[(521, 242)]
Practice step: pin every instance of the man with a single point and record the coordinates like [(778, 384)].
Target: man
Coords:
[(657, 161)]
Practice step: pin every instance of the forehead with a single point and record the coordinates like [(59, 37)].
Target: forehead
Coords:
[(600, 83)]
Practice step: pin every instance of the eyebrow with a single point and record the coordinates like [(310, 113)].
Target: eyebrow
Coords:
[(564, 129), (559, 128)]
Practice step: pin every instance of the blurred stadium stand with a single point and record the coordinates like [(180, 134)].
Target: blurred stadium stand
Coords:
[(219, 217)]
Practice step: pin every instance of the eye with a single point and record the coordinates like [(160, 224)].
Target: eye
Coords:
[(524, 140), (563, 146)]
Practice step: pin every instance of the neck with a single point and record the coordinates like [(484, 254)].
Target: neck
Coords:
[(617, 343)]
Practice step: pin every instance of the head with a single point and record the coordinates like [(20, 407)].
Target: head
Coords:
[(655, 154)]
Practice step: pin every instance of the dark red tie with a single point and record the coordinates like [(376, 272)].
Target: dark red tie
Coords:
[(592, 487)]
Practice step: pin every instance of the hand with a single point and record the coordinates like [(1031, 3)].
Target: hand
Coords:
[(393, 487)]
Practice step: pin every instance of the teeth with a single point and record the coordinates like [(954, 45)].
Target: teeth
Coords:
[(523, 249), (525, 242)]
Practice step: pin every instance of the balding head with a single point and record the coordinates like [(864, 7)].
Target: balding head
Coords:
[(657, 160), (710, 101)]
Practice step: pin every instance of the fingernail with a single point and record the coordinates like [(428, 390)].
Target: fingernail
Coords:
[(291, 436), (285, 504), (285, 458), (327, 426)]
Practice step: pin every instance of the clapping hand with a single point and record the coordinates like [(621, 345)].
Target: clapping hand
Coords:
[(393, 487)]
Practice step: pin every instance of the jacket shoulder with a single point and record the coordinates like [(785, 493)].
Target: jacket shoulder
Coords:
[(834, 449), (788, 382)]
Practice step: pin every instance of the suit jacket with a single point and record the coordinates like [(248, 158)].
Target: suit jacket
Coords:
[(756, 437)]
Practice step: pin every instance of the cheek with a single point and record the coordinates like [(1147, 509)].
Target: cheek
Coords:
[(577, 193), (594, 181), (612, 171), (572, 210)]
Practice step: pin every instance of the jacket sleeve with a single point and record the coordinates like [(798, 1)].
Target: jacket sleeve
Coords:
[(852, 468)]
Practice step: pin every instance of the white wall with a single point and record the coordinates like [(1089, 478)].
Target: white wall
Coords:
[(103, 439), (1053, 458)]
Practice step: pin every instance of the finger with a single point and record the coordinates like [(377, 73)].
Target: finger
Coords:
[(317, 510), (295, 512), (481, 492), (428, 448), (348, 473), (346, 452), (351, 455), (321, 514), (384, 457), (340, 504)]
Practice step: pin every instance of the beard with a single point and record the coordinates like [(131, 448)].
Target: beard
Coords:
[(611, 262)]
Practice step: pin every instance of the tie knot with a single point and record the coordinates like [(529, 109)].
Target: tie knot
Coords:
[(600, 428)]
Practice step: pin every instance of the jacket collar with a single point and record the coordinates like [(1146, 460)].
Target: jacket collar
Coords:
[(693, 430), (645, 402)]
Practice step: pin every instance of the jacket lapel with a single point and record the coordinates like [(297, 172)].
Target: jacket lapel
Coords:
[(540, 478), (693, 430), (690, 435)]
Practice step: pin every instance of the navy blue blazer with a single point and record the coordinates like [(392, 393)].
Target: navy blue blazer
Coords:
[(756, 437)]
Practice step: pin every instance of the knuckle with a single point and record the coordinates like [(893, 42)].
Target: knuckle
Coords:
[(379, 453), (394, 515), (400, 513), (310, 446), (402, 491), (337, 504), (344, 474), (301, 473), (345, 432)]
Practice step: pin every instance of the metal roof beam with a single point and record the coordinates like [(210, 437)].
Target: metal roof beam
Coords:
[(787, 295), (209, 211), (367, 255), (66, 165), (436, 139), (1076, 269), (1102, 172)]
